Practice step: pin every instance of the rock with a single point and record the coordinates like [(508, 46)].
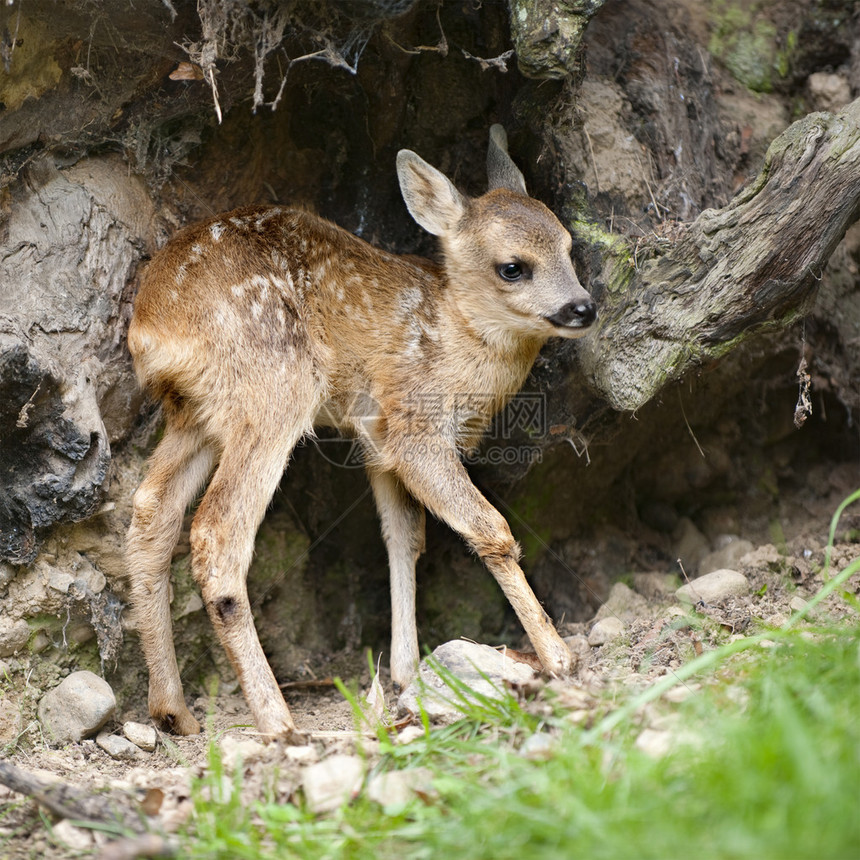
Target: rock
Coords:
[(622, 603), (236, 750), (72, 837), (730, 551), (797, 604), (11, 719), (714, 587), (118, 747), (14, 634), (301, 755), (654, 742), (828, 91), (538, 747), (69, 248), (332, 782), (393, 790), (77, 707), (578, 645), (479, 667), (141, 735), (691, 546), (654, 584), (409, 734), (765, 555), (605, 630), (547, 35)]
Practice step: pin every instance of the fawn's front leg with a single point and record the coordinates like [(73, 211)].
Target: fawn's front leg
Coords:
[(403, 529), (440, 481)]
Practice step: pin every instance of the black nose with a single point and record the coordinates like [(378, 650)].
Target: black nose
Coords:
[(575, 315)]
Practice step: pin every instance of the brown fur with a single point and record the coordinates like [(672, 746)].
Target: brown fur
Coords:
[(256, 325)]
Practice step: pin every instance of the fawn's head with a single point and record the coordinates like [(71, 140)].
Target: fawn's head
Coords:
[(507, 257)]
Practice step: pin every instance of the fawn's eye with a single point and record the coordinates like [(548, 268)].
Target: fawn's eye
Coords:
[(510, 271)]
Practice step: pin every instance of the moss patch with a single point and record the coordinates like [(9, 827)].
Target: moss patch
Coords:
[(33, 69)]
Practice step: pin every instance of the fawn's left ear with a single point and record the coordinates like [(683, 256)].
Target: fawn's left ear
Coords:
[(501, 170), (430, 196)]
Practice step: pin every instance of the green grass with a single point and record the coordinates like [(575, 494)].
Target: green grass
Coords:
[(770, 769)]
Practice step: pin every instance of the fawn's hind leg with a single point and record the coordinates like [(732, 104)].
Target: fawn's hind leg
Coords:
[(222, 544), (403, 529), (177, 469)]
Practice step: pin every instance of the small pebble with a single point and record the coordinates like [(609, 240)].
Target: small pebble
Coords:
[(605, 630), (654, 742), (714, 587), (797, 604), (538, 747), (238, 749), (141, 735), (332, 782), (393, 790), (72, 837), (409, 734), (118, 747), (302, 755)]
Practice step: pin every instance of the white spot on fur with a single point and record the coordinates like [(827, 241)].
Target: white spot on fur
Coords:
[(180, 274), (238, 290), (196, 250), (217, 231), (256, 310), (411, 299)]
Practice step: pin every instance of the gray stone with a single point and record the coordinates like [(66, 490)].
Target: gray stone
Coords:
[(655, 743), (396, 788), (480, 667), (236, 750), (622, 603), (332, 782), (539, 747), (77, 707), (714, 587), (828, 91), (654, 585), (72, 837), (141, 735), (14, 634), (301, 755), (691, 546), (605, 631), (797, 604), (118, 747), (731, 550)]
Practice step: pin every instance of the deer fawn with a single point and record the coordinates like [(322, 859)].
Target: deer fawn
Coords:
[(259, 324)]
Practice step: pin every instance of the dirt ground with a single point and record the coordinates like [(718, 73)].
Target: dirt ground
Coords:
[(659, 635)]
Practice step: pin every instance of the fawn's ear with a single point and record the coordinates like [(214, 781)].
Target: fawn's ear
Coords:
[(430, 196), (501, 170)]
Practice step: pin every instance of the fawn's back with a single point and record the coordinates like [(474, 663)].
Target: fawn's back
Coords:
[(261, 287)]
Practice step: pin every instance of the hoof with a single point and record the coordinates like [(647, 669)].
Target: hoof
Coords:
[(559, 662), (177, 722)]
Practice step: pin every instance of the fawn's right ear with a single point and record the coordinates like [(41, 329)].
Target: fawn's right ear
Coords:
[(430, 196)]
